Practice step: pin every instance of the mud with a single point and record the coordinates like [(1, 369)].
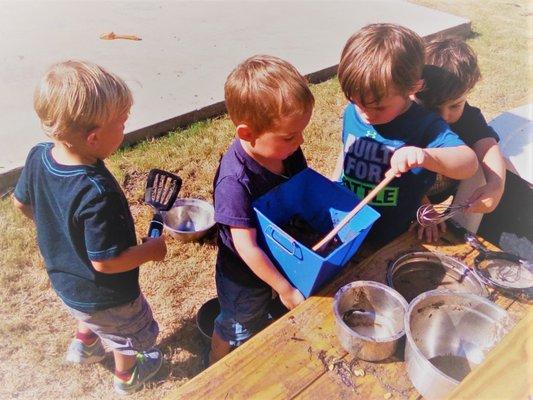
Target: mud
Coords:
[(299, 229), (456, 367)]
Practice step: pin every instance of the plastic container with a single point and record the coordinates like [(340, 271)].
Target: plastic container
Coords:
[(322, 204)]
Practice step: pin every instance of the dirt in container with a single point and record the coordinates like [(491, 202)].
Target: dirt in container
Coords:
[(456, 367), (419, 277), (298, 228), (369, 324)]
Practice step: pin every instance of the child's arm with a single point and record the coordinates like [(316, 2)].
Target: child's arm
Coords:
[(457, 162), (153, 249), (26, 209), (245, 241), (486, 198), (338, 167)]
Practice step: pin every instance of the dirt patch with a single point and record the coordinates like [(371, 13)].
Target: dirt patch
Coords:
[(298, 228)]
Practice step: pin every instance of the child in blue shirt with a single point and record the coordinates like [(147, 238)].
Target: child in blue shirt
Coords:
[(380, 68), (451, 72), (270, 104), (85, 230)]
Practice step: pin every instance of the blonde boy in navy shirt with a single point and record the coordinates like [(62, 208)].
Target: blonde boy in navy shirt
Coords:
[(85, 230)]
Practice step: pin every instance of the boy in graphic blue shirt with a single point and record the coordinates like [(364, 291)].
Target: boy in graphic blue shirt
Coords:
[(380, 68)]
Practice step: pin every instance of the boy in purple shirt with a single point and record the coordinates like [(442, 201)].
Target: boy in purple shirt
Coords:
[(270, 104)]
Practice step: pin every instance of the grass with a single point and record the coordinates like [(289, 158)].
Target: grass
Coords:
[(35, 329)]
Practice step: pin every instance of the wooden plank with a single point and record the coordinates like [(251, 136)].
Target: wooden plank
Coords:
[(380, 380), (507, 371), (279, 362), (299, 355)]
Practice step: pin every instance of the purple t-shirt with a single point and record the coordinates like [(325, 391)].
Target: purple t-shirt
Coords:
[(238, 182)]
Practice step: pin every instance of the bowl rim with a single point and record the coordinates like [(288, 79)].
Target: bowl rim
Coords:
[(387, 289), (191, 200), (446, 261), (434, 293)]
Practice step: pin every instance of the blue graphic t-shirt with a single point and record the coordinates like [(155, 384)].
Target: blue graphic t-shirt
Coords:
[(367, 152), (81, 215)]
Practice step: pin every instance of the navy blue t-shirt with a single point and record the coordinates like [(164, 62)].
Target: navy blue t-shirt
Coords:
[(471, 128), (238, 182), (81, 214), (367, 152)]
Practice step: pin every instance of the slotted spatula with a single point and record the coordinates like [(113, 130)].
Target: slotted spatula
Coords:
[(162, 188)]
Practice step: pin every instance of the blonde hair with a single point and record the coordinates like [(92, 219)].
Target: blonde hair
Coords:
[(380, 59), (262, 89), (75, 97)]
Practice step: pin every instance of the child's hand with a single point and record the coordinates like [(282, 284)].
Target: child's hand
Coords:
[(156, 247), (429, 233), (485, 198), (406, 158), (291, 298)]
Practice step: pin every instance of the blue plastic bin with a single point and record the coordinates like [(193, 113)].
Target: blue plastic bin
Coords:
[(322, 203)]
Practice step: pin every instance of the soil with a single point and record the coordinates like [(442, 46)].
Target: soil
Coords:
[(299, 229)]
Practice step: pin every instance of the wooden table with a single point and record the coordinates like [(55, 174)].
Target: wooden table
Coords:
[(299, 356)]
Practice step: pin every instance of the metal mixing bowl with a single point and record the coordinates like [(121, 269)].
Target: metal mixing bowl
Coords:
[(189, 219), (447, 334), (418, 272), (369, 319)]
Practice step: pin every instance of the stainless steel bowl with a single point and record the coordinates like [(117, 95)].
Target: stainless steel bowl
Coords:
[(189, 219), (419, 272), (369, 319), (447, 334)]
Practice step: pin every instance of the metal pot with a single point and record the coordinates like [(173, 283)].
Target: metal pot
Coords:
[(369, 319), (447, 334), (419, 272), (189, 219)]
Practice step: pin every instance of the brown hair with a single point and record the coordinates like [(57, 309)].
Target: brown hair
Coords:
[(262, 89), (380, 59), (75, 97), (451, 70)]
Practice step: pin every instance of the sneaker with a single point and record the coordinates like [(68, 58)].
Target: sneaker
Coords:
[(148, 363), (78, 352)]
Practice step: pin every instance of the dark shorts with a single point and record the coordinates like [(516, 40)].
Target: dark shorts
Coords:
[(244, 311), (127, 329)]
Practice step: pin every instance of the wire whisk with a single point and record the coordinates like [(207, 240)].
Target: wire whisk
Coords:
[(433, 214)]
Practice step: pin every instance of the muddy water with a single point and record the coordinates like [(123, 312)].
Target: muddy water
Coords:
[(456, 367), (369, 324), (420, 277)]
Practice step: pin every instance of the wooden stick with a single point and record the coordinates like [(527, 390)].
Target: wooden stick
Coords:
[(389, 176), (113, 36)]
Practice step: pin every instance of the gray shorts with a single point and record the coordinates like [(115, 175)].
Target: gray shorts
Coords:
[(127, 329)]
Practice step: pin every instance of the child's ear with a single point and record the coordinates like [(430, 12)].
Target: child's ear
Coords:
[(244, 132), (417, 87), (92, 137)]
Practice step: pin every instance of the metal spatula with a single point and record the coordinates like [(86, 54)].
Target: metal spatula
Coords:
[(162, 188)]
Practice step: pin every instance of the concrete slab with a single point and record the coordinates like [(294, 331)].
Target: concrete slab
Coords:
[(515, 128), (178, 70)]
